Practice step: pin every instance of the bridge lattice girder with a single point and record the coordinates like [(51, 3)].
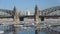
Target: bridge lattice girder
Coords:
[(7, 11), (50, 10)]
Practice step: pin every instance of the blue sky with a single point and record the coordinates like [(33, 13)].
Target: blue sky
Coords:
[(22, 5)]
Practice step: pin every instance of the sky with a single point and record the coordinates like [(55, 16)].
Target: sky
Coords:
[(23, 5)]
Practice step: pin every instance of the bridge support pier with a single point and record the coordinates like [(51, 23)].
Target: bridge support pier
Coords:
[(16, 15), (37, 19), (37, 13)]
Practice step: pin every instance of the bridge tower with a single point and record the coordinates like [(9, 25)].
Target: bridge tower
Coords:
[(37, 13), (16, 15)]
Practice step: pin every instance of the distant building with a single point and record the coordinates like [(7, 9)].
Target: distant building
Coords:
[(27, 13)]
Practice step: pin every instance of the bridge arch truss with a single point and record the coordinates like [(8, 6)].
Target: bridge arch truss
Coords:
[(50, 10)]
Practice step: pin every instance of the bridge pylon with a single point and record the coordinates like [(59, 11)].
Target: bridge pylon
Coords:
[(37, 14), (16, 15)]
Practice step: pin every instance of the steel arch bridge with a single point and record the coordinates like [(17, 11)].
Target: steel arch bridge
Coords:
[(50, 10), (43, 12)]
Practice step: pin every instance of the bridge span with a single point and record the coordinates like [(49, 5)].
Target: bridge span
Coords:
[(38, 15)]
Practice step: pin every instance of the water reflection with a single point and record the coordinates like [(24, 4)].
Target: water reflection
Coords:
[(26, 30)]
